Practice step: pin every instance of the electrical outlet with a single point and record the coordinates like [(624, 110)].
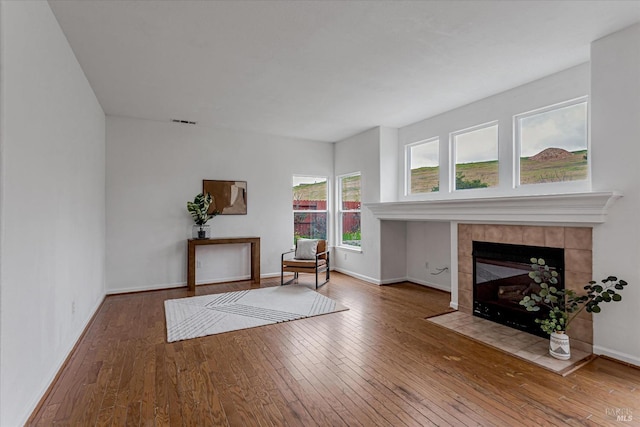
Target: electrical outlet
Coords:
[(73, 307), (345, 256), (426, 265), (198, 264)]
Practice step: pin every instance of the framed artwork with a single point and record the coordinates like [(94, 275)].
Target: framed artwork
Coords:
[(229, 197)]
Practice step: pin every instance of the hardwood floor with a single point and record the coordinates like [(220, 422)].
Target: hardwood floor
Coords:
[(380, 363)]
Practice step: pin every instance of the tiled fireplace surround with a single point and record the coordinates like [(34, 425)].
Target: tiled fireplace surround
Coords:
[(576, 241)]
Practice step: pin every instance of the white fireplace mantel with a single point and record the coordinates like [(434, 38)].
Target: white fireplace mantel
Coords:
[(574, 208)]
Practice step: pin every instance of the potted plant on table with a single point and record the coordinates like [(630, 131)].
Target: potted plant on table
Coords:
[(564, 305), (199, 210)]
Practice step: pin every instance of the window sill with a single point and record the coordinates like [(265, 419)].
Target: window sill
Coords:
[(349, 248)]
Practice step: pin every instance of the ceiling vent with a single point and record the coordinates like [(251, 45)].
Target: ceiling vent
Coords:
[(185, 122)]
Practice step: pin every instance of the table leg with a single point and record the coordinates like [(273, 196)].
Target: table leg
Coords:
[(255, 262), (191, 267)]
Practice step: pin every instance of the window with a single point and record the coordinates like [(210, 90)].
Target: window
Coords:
[(349, 187), (309, 207), (423, 171), (552, 143), (476, 156)]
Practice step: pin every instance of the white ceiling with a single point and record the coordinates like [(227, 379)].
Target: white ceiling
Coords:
[(323, 70)]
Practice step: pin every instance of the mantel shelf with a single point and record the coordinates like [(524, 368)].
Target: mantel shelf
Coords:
[(575, 208)]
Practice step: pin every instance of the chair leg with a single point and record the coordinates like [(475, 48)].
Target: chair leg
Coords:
[(328, 267), (282, 282), (327, 275)]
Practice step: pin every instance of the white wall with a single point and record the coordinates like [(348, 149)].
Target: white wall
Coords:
[(393, 251), (361, 153), (429, 242), (615, 129), (153, 168), (388, 164), (52, 209)]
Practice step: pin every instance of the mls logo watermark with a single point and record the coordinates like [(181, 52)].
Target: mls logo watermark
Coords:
[(620, 414)]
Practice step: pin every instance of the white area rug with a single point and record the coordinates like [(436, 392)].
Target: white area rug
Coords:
[(217, 313)]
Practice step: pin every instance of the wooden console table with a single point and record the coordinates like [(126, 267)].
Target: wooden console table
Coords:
[(191, 256)]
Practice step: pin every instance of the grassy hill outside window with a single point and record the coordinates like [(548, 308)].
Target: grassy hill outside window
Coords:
[(423, 166), (310, 212), (552, 143), (476, 157), (550, 153)]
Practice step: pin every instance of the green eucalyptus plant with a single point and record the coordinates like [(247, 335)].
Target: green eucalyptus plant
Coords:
[(199, 209), (564, 305)]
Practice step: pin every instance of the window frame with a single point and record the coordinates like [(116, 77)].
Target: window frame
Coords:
[(326, 211), (407, 164), (517, 145), (340, 211), (453, 152)]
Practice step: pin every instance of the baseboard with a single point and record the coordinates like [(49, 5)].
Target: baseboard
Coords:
[(453, 305), (613, 354), (165, 286), (358, 276), (431, 285), (222, 280), (272, 275), (159, 287), (55, 374), (389, 281), (392, 281)]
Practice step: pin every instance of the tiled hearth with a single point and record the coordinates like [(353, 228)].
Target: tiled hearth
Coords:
[(577, 244), (520, 344)]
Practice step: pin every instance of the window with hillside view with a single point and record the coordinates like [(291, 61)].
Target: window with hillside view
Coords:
[(423, 160), (349, 187), (310, 207), (476, 156), (553, 143)]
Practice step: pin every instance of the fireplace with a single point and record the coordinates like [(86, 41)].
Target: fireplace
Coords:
[(575, 241), (501, 279)]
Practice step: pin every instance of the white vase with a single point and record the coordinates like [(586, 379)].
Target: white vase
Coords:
[(559, 346)]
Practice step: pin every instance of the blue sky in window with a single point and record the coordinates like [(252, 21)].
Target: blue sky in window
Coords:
[(478, 145), (564, 128), (297, 180), (425, 155)]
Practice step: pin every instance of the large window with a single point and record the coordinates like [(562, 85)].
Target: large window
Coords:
[(349, 187), (424, 166), (552, 143), (309, 207), (476, 155)]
